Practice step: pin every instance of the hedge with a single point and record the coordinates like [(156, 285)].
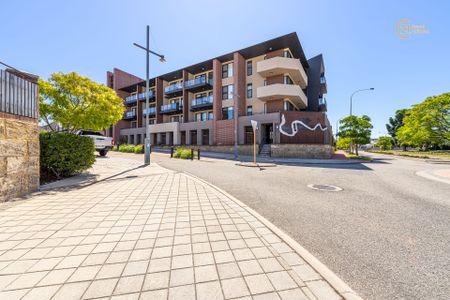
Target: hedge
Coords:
[(131, 148), (64, 155), (183, 153)]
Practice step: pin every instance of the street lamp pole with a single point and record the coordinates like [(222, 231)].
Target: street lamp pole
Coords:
[(147, 96), (351, 97)]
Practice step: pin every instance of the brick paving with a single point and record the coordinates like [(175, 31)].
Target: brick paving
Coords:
[(149, 233)]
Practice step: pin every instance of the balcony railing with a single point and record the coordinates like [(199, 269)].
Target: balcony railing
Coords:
[(198, 84), (131, 99), (141, 96), (151, 110), (173, 107), (323, 80), (173, 88), (202, 102), (129, 115)]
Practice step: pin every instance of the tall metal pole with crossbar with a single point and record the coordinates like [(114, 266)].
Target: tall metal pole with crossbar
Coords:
[(147, 96)]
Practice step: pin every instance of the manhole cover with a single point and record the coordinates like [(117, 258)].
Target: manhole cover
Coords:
[(325, 187)]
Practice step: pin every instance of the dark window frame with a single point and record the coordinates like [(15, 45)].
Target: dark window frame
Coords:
[(249, 110), (249, 68), (249, 91)]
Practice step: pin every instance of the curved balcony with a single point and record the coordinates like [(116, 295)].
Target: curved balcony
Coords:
[(202, 103), (281, 65), (283, 91), (198, 84)]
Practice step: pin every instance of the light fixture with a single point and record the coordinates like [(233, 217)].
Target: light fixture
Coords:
[(162, 59)]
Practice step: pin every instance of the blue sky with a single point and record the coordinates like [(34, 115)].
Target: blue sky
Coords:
[(357, 38)]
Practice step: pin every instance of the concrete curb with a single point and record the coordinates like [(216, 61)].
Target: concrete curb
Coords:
[(427, 175), (338, 284)]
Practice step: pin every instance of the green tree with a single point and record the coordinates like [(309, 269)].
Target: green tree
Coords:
[(343, 143), (357, 130), (385, 143), (77, 102), (395, 123), (427, 124)]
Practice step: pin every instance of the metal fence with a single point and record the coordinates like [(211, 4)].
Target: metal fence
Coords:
[(18, 96)]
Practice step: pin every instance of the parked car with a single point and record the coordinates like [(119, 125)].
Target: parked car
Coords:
[(102, 143)]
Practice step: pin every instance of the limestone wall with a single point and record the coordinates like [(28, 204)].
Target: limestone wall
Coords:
[(316, 151), (19, 156)]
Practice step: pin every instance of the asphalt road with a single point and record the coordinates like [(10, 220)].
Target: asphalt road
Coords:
[(386, 234)]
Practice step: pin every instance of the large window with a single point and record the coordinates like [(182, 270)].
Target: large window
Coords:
[(227, 70), (227, 113), (288, 80), (287, 53), (249, 68), (288, 106), (249, 91), (249, 110), (203, 116), (227, 92)]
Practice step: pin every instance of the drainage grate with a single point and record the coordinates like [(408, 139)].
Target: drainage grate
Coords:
[(324, 187)]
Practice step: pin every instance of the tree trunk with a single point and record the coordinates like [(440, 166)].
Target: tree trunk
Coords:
[(356, 149)]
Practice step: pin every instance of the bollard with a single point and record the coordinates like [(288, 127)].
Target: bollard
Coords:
[(198, 153), (192, 153), (171, 152)]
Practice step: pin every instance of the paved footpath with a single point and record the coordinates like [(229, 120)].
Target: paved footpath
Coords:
[(150, 233)]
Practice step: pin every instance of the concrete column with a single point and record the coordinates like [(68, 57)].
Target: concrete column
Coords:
[(177, 137), (158, 138), (199, 137), (188, 137)]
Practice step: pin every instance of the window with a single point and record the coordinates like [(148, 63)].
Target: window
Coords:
[(227, 92), (227, 113), (176, 119), (265, 82), (249, 90), (249, 68), (249, 110), (288, 80), (287, 53), (203, 116), (227, 70), (133, 124), (288, 106)]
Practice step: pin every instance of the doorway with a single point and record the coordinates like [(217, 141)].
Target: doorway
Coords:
[(267, 133)]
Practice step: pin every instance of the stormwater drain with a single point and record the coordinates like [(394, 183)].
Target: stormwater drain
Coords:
[(324, 187)]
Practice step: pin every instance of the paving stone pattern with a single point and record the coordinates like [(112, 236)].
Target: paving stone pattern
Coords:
[(147, 234)]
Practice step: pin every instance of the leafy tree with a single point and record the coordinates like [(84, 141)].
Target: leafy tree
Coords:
[(385, 143), (427, 124), (357, 130), (395, 123), (343, 143), (77, 102)]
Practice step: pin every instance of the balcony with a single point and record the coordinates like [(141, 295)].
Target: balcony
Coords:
[(151, 96), (198, 84), (323, 85), (131, 100), (322, 104), (129, 115), (172, 108), (202, 103), (279, 91), (151, 111), (282, 65), (174, 90)]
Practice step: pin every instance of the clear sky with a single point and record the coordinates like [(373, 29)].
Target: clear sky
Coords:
[(357, 38)]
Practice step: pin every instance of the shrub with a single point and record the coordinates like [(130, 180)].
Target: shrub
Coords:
[(138, 149), (182, 153), (64, 154), (131, 148), (385, 143), (343, 143)]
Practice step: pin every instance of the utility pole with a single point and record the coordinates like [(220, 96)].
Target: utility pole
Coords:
[(147, 96)]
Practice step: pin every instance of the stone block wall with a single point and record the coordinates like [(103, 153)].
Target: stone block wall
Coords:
[(19, 156), (315, 151)]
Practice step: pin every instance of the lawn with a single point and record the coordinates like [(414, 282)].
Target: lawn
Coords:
[(354, 156), (443, 154)]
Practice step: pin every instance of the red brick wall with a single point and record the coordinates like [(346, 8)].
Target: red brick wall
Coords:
[(123, 79), (274, 106), (224, 132), (275, 79), (217, 95), (239, 83), (304, 135), (159, 99), (274, 53), (185, 98)]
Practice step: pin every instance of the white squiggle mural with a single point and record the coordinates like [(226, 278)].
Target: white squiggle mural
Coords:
[(295, 126)]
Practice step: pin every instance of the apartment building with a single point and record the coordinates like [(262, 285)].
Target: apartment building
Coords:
[(211, 104)]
